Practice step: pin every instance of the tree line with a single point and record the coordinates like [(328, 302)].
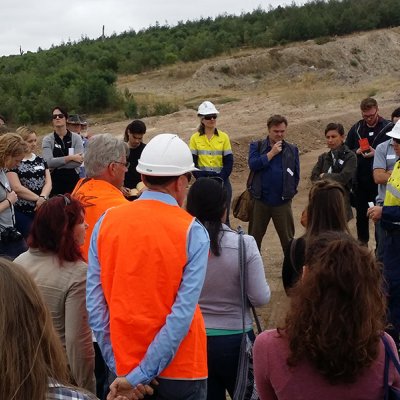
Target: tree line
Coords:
[(82, 75)]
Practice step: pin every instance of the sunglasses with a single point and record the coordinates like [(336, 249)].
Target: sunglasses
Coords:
[(396, 140), (217, 179), (67, 201), (60, 116), (210, 117)]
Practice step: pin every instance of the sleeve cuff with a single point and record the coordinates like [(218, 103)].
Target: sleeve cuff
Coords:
[(136, 376)]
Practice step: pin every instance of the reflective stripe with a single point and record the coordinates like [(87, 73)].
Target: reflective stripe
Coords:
[(210, 152), (395, 192), (211, 169)]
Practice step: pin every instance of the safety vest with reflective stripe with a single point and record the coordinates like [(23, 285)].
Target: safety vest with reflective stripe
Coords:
[(142, 250), (392, 196), (210, 152)]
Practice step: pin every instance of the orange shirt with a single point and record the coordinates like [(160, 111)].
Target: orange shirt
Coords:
[(97, 196)]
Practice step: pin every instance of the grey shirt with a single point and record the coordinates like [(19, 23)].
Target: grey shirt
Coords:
[(6, 216), (59, 162), (385, 158), (220, 299)]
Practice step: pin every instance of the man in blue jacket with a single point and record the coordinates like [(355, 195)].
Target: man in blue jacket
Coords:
[(276, 168)]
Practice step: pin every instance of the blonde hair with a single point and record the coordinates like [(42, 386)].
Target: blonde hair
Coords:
[(24, 132), (11, 145), (31, 352)]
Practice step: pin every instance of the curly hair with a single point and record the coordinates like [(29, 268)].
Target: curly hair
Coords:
[(11, 145), (337, 311)]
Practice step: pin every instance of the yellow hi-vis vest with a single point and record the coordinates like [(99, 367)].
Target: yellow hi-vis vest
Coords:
[(392, 196)]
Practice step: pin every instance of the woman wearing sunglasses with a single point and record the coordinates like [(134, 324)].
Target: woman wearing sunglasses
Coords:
[(220, 299), (211, 149), (55, 262), (63, 152)]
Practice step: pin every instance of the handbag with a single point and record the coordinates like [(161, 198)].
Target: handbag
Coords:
[(245, 387), (243, 204), (390, 392)]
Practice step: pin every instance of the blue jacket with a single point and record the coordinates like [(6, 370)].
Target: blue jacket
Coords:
[(286, 164)]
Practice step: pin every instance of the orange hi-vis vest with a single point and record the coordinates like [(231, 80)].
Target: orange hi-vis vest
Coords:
[(142, 251), (97, 196)]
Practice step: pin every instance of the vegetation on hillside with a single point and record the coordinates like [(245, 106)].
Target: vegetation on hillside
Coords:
[(81, 76)]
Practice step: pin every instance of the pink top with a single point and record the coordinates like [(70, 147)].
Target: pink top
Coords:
[(275, 380)]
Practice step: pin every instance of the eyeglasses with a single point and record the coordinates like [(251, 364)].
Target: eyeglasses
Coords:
[(369, 116), (126, 164), (60, 116), (217, 179), (210, 117), (188, 176), (67, 200)]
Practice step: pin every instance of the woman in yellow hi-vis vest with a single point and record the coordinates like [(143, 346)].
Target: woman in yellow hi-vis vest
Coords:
[(211, 149)]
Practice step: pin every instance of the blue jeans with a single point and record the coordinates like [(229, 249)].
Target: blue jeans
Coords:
[(223, 360), (170, 389), (23, 222)]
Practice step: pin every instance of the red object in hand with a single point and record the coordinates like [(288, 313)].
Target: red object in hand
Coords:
[(364, 145)]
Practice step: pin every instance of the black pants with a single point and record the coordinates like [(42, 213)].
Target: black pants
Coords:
[(63, 180), (365, 192)]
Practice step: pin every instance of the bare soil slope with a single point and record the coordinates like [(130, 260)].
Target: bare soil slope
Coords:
[(311, 84)]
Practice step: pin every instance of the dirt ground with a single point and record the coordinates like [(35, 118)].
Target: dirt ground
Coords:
[(310, 84)]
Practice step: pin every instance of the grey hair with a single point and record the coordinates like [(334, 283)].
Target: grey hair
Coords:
[(103, 149)]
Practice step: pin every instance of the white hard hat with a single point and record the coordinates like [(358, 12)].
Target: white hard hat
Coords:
[(166, 155), (207, 108), (395, 132)]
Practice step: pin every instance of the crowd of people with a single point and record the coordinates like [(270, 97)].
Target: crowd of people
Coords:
[(124, 278)]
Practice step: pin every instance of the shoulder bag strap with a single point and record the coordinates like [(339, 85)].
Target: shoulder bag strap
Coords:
[(292, 253), (251, 173), (243, 280), (389, 356)]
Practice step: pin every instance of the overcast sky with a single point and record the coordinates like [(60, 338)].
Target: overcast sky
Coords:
[(32, 24)]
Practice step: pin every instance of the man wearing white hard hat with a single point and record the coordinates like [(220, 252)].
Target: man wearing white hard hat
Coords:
[(389, 216), (147, 264)]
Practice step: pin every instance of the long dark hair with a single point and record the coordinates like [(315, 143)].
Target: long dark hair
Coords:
[(207, 201), (326, 210), (337, 311)]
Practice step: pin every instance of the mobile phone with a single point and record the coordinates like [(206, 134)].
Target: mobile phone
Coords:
[(371, 204)]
